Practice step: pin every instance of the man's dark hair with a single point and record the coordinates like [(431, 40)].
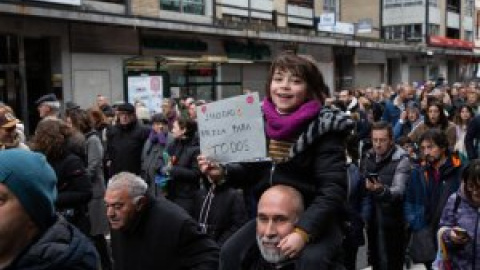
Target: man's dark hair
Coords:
[(383, 125), (437, 136)]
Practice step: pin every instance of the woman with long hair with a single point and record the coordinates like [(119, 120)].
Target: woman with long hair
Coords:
[(73, 184), (462, 118), (80, 121), (435, 117)]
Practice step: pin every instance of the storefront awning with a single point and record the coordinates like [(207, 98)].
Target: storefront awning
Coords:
[(439, 41), (151, 62)]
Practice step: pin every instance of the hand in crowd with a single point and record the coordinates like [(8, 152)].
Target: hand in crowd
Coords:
[(373, 185), (458, 236), (211, 169), (292, 244), (404, 115)]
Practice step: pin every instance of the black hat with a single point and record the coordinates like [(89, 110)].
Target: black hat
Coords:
[(126, 107), (47, 98), (107, 110), (70, 106), (159, 118)]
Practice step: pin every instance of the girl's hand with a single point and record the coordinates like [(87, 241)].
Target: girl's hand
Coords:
[(211, 169), (458, 236), (292, 244)]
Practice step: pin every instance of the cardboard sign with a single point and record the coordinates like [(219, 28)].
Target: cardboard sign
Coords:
[(231, 130)]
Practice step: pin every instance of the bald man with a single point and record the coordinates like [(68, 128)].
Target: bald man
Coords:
[(278, 211)]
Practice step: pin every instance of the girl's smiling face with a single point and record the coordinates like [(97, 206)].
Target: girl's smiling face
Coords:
[(288, 91)]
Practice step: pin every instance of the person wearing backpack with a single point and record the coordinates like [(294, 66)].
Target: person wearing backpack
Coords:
[(460, 221)]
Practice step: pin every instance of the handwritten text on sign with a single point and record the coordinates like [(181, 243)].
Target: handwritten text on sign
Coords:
[(231, 130)]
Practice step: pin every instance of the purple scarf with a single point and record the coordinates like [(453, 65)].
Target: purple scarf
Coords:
[(160, 137), (287, 127)]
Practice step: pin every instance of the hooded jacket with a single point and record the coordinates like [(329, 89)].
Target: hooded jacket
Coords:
[(61, 247), (467, 216)]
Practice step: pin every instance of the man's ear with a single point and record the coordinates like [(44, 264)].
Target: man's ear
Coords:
[(142, 201)]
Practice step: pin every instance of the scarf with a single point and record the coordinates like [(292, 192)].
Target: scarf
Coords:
[(288, 127), (160, 138)]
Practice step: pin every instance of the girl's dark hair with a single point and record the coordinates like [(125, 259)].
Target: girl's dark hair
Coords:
[(80, 120), (303, 67), (189, 125), (50, 138), (471, 177), (442, 121), (458, 114)]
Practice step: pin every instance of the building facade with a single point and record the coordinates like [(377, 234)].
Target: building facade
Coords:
[(210, 49)]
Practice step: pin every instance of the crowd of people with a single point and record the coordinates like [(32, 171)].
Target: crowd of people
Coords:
[(114, 187)]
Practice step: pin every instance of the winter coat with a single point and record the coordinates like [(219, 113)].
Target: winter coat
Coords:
[(163, 236), (152, 161), (184, 174), (224, 215), (423, 191), (394, 173), (466, 216), (124, 147), (472, 138), (354, 221), (74, 190), (392, 111), (60, 247), (315, 167), (96, 207)]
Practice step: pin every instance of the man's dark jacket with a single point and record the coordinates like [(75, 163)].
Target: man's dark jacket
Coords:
[(163, 237), (124, 147), (61, 247)]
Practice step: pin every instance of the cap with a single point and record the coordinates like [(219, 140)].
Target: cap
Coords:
[(7, 120), (49, 100), (126, 107), (35, 188), (69, 106)]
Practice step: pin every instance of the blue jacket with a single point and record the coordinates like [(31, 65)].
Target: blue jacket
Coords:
[(423, 192), (466, 216), (391, 113), (61, 247)]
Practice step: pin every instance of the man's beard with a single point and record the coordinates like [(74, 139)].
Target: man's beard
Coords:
[(271, 255)]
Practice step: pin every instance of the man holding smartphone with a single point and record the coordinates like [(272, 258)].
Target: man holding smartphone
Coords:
[(386, 168)]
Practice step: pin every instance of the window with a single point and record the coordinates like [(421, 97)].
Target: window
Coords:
[(329, 5), (453, 5), (433, 3), (433, 29), (413, 32), (402, 3), (469, 8), (302, 3), (468, 36), (184, 6), (394, 32)]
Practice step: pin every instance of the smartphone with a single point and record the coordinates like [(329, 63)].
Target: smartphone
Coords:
[(461, 232), (372, 177)]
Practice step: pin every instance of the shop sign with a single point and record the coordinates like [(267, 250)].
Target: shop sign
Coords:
[(339, 28), (439, 41), (364, 26), (326, 19)]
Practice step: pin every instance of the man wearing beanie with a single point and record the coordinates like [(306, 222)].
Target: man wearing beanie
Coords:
[(125, 142), (32, 236)]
